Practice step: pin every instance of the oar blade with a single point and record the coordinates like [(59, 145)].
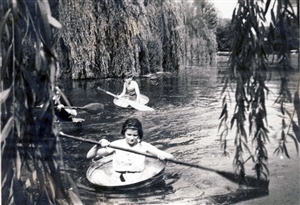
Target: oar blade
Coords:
[(93, 108), (139, 106), (136, 105)]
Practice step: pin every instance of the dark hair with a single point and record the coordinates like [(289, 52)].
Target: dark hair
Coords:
[(133, 123), (128, 74)]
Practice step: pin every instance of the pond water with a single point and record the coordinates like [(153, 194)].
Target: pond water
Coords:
[(185, 123)]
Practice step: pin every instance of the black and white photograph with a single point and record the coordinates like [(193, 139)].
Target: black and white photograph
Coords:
[(150, 102)]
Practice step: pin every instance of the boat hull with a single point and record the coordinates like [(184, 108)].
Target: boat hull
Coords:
[(121, 103), (101, 176), (71, 126)]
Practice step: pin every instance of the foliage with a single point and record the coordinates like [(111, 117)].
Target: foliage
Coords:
[(201, 22), (31, 165), (223, 34), (225, 38), (143, 36), (249, 67)]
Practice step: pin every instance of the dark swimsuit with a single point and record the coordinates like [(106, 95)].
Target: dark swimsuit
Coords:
[(131, 94)]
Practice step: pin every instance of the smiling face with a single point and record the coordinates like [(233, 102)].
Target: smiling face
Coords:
[(131, 137)]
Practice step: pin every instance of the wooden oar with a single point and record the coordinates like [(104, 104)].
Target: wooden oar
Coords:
[(246, 180), (136, 105), (93, 108)]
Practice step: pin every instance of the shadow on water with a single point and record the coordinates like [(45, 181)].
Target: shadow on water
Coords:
[(239, 196)]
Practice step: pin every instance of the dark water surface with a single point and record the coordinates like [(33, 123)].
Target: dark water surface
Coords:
[(185, 123)]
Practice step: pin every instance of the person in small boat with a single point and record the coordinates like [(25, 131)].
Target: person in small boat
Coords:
[(62, 113), (131, 89), (124, 162)]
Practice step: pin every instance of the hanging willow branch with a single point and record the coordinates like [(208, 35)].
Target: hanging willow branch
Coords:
[(249, 69), (30, 150)]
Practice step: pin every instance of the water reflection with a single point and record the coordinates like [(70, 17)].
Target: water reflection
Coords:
[(185, 123)]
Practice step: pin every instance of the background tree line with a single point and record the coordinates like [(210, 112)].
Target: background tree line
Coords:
[(142, 36), (272, 37)]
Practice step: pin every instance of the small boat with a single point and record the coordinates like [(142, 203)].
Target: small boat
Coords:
[(121, 103), (102, 177)]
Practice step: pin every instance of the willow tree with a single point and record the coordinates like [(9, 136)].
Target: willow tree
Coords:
[(31, 158), (200, 22), (249, 68)]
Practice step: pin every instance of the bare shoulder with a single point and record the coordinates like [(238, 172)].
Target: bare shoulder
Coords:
[(119, 142), (147, 145), (133, 82)]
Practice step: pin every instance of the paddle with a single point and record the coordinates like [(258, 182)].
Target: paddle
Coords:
[(247, 180), (93, 108), (136, 105)]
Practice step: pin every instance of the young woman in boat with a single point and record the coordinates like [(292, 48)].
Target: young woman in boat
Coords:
[(131, 89), (124, 162), (62, 113)]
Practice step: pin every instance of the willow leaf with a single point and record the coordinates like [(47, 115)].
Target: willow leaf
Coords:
[(4, 95), (18, 165), (7, 128), (267, 6), (6, 59), (296, 130), (45, 12), (285, 150), (223, 111), (282, 135), (54, 22), (74, 198), (282, 108), (224, 133), (276, 151), (232, 121), (4, 20), (265, 175), (266, 168), (220, 124), (224, 100), (71, 183), (50, 186), (273, 16), (247, 148), (295, 141)]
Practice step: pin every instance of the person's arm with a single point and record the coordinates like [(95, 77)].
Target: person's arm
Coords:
[(137, 91), (157, 152), (99, 151), (124, 90)]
